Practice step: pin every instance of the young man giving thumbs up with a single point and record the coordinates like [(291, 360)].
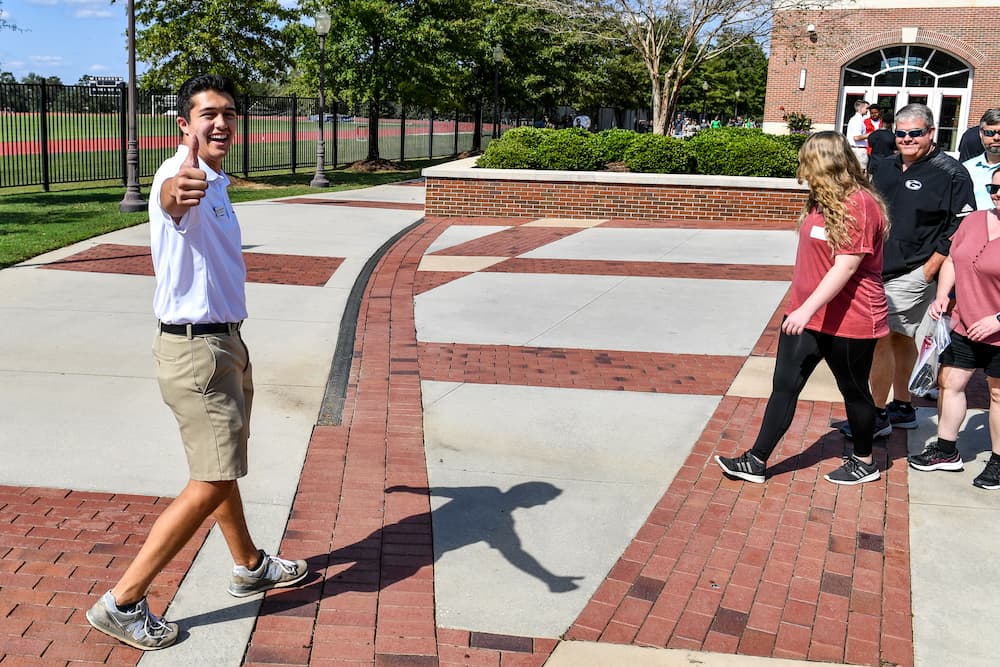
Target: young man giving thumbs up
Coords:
[(202, 366)]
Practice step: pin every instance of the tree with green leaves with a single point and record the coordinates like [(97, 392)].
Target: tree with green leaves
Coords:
[(672, 38), (244, 41)]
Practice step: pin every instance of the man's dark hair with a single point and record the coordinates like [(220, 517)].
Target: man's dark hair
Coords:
[(199, 84)]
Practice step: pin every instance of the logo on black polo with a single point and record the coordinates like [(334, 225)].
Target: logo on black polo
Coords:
[(913, 185)]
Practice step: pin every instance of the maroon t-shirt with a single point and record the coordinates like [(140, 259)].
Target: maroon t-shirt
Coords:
[(859, 310), (977, 273)]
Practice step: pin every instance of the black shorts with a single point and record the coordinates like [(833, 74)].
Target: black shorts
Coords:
[(968, 354)]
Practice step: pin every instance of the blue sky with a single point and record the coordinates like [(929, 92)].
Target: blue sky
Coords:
[(65, 38)]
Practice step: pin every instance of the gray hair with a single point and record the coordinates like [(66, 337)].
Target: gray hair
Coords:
[(859, 104), (991, 117), (916, 112)]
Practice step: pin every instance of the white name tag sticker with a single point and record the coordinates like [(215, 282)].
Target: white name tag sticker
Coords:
[(818, 232), (219, 211)]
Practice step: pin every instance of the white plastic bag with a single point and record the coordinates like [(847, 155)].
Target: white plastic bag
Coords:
[(925, 371)]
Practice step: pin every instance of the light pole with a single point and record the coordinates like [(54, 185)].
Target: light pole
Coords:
[(497, 57), (736, 104), (132, 201), (704, 101), (322, 29)]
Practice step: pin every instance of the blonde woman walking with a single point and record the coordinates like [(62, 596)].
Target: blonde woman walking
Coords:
[(837, 309)]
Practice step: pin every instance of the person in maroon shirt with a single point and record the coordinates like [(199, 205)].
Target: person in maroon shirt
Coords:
[(837, 309), (973, 270)]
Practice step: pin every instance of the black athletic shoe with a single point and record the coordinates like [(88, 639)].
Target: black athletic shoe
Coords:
[(933, 458), (854, 471), (883, 428), (990, 477), (745, 466), (902, 415)]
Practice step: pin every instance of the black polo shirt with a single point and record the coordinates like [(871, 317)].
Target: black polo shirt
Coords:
[(926, 203)]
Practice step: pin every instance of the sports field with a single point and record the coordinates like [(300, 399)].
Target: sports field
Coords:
[(89, 147)]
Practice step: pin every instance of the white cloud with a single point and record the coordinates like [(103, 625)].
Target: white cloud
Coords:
[(43, 2), (99, 68), (48, 61), (4, 15), (92, 13)]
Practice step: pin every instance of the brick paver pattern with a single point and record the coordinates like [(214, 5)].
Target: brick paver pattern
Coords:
[(794, 568)]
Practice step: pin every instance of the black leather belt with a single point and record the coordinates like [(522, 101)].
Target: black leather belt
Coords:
[(200, 329)]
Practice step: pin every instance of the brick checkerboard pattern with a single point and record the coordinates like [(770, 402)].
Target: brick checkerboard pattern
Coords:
[(793, 568)]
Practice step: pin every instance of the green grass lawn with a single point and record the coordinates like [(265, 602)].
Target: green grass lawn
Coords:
[(32, 223)]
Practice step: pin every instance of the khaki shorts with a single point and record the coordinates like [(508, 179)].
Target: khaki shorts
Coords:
[(861, 153), (909, 297), (207, 382)]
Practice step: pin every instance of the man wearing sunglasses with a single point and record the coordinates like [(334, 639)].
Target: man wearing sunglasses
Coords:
[(982, 166), (927, 194)]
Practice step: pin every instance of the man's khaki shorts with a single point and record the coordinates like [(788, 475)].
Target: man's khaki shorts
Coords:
[(207, 382), (909, 297)]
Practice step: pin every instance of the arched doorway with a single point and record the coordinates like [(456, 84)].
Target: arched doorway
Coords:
[(894, 76)]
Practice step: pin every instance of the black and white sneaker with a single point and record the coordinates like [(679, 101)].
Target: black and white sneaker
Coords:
[(854, 471), (990, 477), (745, 466), (933, 458)]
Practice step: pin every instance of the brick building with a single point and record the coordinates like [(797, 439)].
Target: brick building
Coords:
[(943, 53)]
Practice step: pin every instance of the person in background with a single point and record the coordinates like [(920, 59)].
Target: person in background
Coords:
[(982, 166), (873, 123), (857, 134), (972, 269), (837, 309), (928, 193)]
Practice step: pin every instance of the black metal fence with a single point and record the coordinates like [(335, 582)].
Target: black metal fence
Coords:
[(65, 134)]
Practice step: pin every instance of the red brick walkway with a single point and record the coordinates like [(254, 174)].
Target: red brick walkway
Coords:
[(794, 568), (59, 551)]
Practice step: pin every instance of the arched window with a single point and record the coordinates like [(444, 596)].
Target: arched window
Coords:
[(895, 76)]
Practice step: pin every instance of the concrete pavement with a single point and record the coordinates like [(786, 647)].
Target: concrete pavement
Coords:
[(541, 398)]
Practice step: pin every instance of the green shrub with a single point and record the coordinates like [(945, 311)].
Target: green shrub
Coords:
[(526, 135), (654, 153), (743, 152), (502, 154), (612, 144), (571, 150)]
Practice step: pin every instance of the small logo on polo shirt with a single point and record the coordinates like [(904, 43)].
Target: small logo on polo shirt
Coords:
[(913, 185)]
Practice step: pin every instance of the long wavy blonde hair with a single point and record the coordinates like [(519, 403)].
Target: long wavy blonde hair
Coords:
[(828, 165)]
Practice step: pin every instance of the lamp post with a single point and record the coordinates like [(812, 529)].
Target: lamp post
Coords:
[(704, 101), (132, 201), (497, 57), (736, 104), (319, 180)]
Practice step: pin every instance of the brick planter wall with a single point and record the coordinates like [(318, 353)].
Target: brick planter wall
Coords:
[(458, 189)]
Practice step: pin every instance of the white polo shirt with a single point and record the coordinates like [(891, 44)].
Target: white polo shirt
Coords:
[(981, 172), (855, 127), (200, 274)]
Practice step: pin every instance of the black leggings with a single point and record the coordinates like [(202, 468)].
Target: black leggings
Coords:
[(850, 360)]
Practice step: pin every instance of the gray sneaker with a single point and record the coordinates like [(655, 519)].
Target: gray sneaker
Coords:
[(138, 628), (273, 572)]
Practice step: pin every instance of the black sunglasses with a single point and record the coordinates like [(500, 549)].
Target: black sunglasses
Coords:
[(913, 134), (993, 188), (988, 133)]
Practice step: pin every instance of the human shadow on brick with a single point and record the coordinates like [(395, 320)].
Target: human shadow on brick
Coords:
[(400, 550), (486, 514)]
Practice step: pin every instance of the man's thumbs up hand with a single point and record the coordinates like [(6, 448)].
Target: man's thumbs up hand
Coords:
[(185, 190)]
